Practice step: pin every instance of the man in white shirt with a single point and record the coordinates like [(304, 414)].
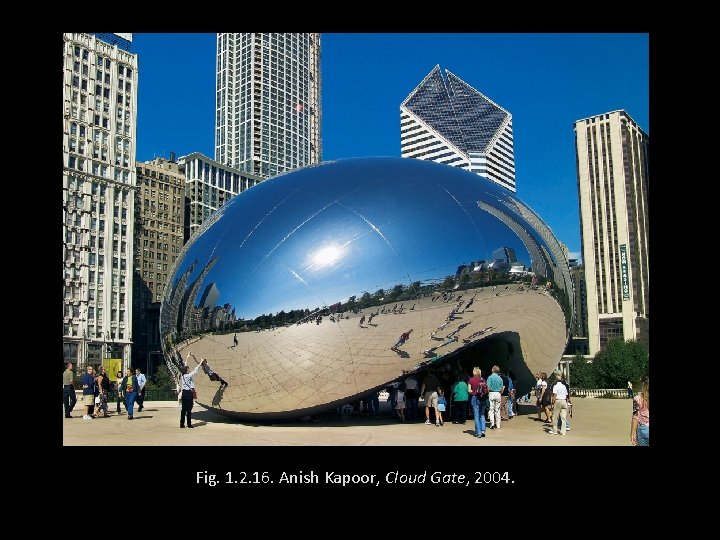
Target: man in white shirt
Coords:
[(560, 406), (141, 391)]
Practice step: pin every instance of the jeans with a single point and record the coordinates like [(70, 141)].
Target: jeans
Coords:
[(642, 435), (69, 398), (119, 400), (495, 399), (478, 406), (510, 412), (129, 402)]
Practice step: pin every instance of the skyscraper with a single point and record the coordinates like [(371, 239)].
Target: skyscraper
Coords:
[(99, 111), (268, 116), (159, 224), (208, 186), (446, 120), (612, 161)]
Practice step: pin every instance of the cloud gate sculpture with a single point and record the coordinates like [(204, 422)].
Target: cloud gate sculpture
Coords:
[(318, 286)]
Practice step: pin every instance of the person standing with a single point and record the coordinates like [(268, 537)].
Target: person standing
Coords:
[(129, 386), (496, 387), (88, 388), (640, 424), (400, 402), (428, 390), (187, 387), (103, 385), (460, 402), (477, 400), (560, 406), (141, 388), (569, 403), (69, 398), (630, 390), (118, 390), (411, 398), (235, 341)]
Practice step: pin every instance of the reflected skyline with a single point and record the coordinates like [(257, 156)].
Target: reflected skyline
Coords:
[(350, 239)]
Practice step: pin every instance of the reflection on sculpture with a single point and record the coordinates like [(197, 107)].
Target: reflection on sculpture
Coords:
[(297, 289)]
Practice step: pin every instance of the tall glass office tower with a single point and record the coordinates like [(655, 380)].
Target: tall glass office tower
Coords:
[(268, 116), (446, 120)]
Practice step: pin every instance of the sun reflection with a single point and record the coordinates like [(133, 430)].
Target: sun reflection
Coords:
[(326, 255)]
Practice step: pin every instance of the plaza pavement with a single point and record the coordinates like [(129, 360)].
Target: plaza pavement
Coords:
[(595, 422), (304, 366)]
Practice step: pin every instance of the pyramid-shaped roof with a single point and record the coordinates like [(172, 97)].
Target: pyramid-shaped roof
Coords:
[(458, 112)]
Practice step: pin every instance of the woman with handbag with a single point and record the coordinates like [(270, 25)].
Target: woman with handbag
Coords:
[(187, 389), (129, 387)]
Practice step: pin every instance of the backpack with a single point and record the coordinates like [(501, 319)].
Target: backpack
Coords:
[(483, 391)]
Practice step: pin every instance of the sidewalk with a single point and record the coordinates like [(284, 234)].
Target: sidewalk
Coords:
[(595, 422)]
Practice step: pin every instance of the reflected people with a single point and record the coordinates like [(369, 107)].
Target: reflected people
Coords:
[(265, 287)]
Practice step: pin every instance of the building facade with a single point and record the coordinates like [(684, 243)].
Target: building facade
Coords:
[(208, 186), (159, 232), (578, 337), (268, 115), (99, 115), (612, 164), (446, 120)]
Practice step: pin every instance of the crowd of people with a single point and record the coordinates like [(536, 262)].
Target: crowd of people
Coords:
[(97, 386), (448, 394)]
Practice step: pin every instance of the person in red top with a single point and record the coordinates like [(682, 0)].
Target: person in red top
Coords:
[(478, 401), (401, 341)]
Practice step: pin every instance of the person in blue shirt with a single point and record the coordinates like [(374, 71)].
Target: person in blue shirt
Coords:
[(496, 386), (141, 388), (88, 387)]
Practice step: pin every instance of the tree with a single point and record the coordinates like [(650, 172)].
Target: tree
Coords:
[(365, 299), (449, 282), (396, 292), (161, 379), (619, 362), (582, 374)]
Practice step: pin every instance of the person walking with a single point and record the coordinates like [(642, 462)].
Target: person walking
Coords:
[(88, 387), (640, 423), (141, 388), (187, 387), (118, 390), (560, 406), (69, 399), (129, 387), (401, 340)]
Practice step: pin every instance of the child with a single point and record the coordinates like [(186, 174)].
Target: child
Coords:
[(441, 406), (400, 404)]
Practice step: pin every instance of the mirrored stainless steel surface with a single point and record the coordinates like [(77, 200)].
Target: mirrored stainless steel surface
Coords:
[(299, 289)]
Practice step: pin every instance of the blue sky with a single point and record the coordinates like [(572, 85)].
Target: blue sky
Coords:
[(546, 81)]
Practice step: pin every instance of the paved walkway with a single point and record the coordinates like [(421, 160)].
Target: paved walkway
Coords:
[(595, 422)]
